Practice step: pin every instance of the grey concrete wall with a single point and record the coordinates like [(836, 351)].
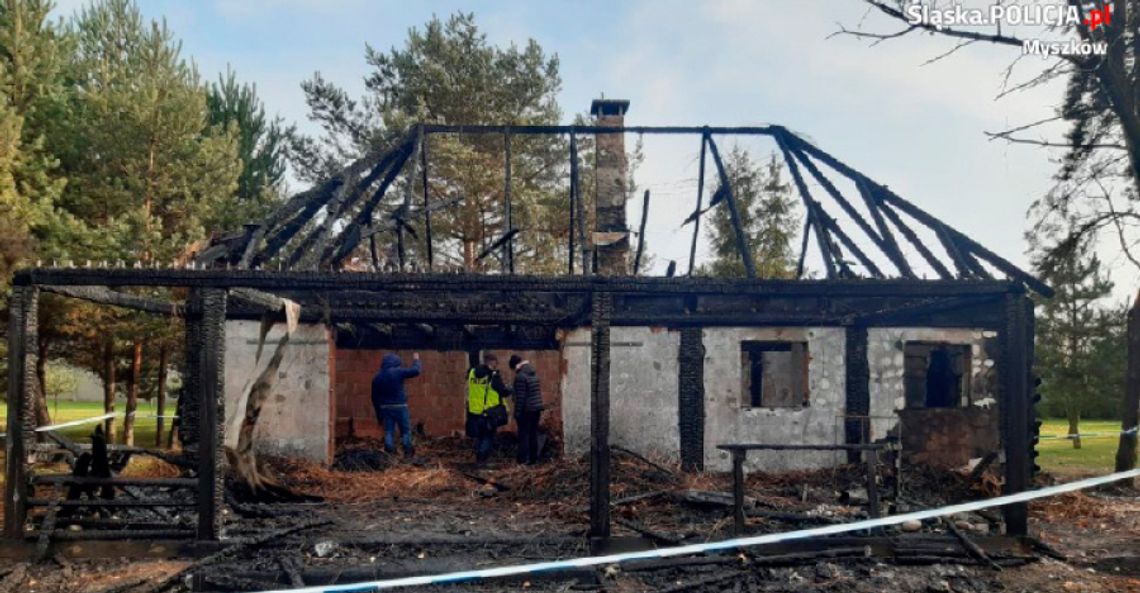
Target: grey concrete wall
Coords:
[(643, 391), (296, 421), (885, 351), (727, 420)]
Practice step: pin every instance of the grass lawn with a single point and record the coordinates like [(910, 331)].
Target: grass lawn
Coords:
[(145, 427), (1097, 454)]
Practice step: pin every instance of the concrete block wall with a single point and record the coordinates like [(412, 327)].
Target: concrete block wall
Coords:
[(437, 398), (888, 391), (643, 390), (296, 420), (727, 421)]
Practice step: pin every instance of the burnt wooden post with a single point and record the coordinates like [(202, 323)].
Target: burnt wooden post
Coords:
[(1018, 359), (857, 369), (23, 308), (641, 234), (211, 337), (700, 196), (600, 416), (873, 483), (691, 398), (738, 455)]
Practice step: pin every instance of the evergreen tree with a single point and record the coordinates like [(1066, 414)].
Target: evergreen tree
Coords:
[(448, 73), (145, 168), (1072, 332), (262, 144), (768, 215)]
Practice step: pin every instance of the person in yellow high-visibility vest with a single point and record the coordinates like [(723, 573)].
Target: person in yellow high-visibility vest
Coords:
[(486, 411)]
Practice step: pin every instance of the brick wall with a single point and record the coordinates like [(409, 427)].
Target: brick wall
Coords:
[(949, 437), (437, 397)]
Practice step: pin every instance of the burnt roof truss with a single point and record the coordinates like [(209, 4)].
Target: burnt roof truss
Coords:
[(859, 227)]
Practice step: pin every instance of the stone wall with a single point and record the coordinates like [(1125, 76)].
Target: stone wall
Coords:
[(296, 420), (643, 390), (727, 421), (437, 398)]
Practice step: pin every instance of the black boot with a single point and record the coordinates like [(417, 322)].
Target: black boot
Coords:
[(409, 452)]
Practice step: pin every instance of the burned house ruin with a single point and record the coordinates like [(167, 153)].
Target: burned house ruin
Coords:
[(669, 367)]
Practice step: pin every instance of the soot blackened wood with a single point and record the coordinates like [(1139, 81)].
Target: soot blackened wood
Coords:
[(1016, 368), (641, 234), (733, 211), (600, 416), (691, 398), (211, 374), (23, 311), (700, 196), (858, 378)]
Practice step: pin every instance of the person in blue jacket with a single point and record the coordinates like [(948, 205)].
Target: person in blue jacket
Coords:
[(391, 401)]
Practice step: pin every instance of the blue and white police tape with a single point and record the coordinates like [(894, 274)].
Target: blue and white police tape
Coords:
[(99, 418), (1086, 435), (740, 542)]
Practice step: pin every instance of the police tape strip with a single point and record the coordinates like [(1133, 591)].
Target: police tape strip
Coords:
[(78, 422), (740, 542), (1086, 435)]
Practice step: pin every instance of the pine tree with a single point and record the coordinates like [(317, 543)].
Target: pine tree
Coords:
[(448, 73), (768, 215), (1072, 330), (145, 168), (262, 145)]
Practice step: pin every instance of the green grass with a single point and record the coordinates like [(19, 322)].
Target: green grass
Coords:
[(145, 428), (1097, 454)]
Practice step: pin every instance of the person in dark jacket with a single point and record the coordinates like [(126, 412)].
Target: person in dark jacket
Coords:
[(528, 408), (485, 390), (391, 401)]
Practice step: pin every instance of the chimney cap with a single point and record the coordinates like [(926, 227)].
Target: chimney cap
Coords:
[(602, 107)]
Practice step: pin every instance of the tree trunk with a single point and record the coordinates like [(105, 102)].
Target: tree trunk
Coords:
[(161, 408), (133, 394), (1126, 452), (1075, 428), (109, 388)]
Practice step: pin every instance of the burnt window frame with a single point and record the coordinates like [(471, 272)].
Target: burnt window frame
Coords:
[(751, 373), (965, 397)]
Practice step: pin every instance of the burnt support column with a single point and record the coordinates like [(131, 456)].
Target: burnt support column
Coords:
[(611, 236), (858, 381), (1018, 409), (23, 309), (211, 415), (188, 401), (600, 416), (691, 398)]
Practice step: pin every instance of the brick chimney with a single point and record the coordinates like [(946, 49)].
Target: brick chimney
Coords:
[(611, 235)]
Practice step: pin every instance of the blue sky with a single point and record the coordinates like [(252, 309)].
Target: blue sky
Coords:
[(917, 128)]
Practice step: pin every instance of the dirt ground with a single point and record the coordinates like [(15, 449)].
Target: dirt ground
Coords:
[(383, 517)]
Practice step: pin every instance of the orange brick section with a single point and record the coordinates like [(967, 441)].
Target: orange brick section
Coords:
[(437, 397)]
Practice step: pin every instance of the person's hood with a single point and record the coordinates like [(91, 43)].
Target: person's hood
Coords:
[(525, 368), (482, 371), (391, 361)]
